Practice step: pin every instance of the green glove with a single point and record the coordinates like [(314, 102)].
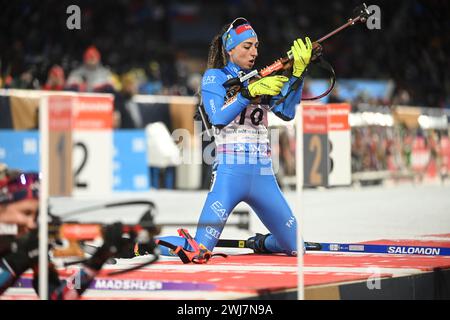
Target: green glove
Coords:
[(302, 56), (265, 86)]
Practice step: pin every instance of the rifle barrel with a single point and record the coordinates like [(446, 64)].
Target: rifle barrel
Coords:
[(350, 22)]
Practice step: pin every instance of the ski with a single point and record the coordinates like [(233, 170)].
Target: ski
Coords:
[(386, 249), (230, 243), (353, 247), (340, 247)]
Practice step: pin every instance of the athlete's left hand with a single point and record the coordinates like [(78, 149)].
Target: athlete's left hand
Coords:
[(302, 55)]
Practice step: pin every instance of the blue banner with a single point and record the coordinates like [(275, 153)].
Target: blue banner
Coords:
[(350, 89), (20, 149), (130, 161)]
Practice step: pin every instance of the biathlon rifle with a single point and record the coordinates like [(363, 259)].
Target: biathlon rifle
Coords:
[(75, 233), (234, 85)]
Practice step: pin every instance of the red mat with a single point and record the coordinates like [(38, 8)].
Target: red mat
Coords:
[(248, 275)]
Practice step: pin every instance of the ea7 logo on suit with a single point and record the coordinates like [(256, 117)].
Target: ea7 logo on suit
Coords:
[(219, 210), (209, 80)]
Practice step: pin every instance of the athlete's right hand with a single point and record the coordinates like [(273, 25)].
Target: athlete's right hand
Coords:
[(265, 86)]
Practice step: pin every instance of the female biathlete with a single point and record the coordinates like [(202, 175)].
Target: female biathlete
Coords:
[(242, 170)]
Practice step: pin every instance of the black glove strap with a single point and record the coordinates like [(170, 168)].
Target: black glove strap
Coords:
[(245, 93)]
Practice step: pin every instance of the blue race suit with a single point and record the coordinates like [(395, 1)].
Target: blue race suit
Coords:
[(242, 170)]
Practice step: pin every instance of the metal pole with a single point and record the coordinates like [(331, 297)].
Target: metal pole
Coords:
[(43, 198), (299, 200)]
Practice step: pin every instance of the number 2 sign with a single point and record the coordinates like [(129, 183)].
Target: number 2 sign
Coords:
[(315, 137), (92, 145), (326, 145), (80, 144)]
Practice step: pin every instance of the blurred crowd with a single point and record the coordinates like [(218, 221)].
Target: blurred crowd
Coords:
[(398, 151), (160, 47), (403, 152)]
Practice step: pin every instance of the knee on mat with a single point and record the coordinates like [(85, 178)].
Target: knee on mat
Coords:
[(291, 249)]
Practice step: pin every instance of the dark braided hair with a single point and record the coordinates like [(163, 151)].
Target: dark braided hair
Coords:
[(217, 56)]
